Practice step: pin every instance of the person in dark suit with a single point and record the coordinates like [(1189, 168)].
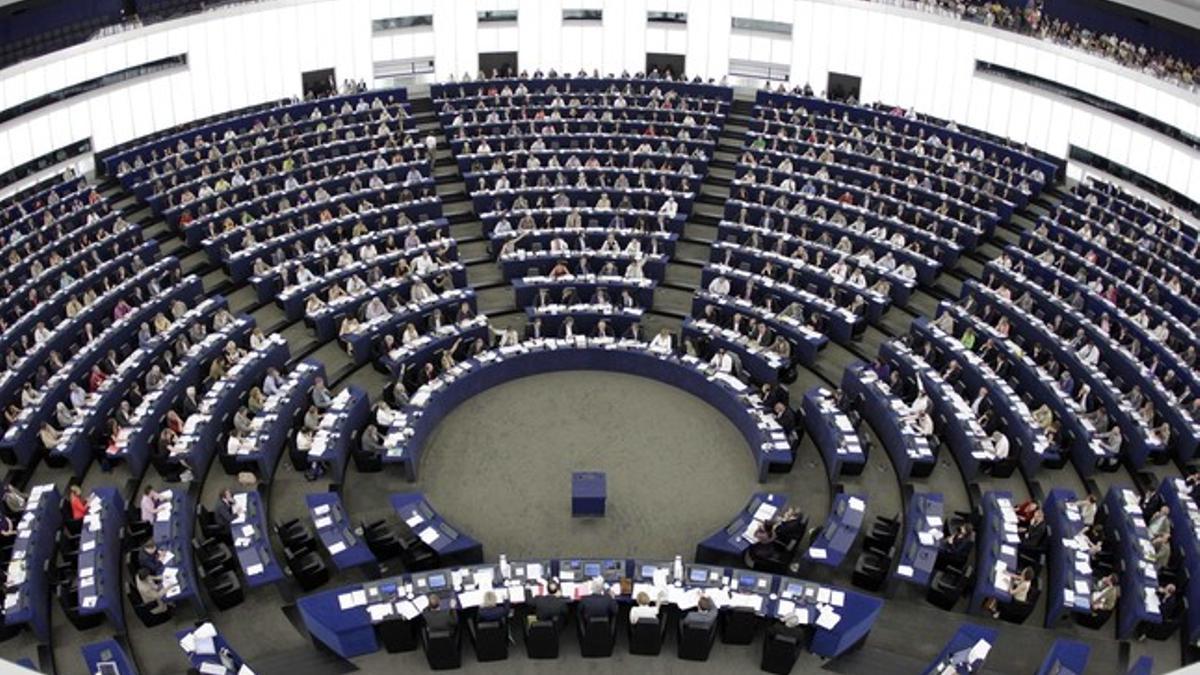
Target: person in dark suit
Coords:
[(602, 330), (551, 606), (772, 394), (188, 405), (1033, 535), (224, 513), (634, 332), (786, 419), (150, 559), (597, 604), (955, 549), (703, 617), (1168, 602), (791, 526), (438, 618), (534, 330)]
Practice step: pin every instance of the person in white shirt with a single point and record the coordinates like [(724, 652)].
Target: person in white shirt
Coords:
[(719, 286), (1089, 354), (999, 446), (978, 402), (643, 609), (669, 207), (722, 361), (661, 342)]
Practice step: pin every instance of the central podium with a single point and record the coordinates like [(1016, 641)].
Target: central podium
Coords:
[(588, 493)]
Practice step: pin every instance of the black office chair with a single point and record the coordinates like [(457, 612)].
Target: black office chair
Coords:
[(490, 639), (646, 636), (366, 462), (871, 570), (780, 652), (947, 587), (541, 640), (295, 536), (1017, 612), (597, 636), (695, 642), (210, 528), (382, 540), (397, 635), (443, 648), (148, 618), (223, 588), (1095, 620), (738, 625), (214, 556), (307, 567), (415, 554)]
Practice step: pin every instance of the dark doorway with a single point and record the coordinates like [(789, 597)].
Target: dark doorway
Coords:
[(319, 83), (665, 63), (843, 87), (502, 63)]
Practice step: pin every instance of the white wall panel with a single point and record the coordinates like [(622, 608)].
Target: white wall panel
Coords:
[(251, 53)]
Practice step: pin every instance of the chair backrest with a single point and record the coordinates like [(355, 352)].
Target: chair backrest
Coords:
[(541, 640), (598, 637)]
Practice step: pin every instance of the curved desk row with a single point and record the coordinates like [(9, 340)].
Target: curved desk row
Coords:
[(27, 585), (336, 532), (728, 545), (833, 433), (1069, 567), (910, 451), (451, 546), (434, 401), (833, 542), (346, 619), (99, 570), (923, 522), (271, 429)]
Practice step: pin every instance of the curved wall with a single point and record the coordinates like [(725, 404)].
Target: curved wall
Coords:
[(252, 53)]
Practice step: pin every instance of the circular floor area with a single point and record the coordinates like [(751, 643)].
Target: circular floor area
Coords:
[(499, 466)]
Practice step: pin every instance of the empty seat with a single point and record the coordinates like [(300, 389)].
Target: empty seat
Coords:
[(597, 636), (541, 640), (490, 639), (738, 625), (443, 649)]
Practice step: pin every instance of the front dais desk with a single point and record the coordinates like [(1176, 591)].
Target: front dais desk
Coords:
[(435, 400), (349, 620)]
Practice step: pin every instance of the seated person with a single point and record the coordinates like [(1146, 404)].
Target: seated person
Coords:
[(151, 559), (438, 618), (703, 617), (643, 609), (150, 590), (549, 607), (598, 603)]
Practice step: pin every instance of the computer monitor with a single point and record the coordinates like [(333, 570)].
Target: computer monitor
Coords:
[(437, 580), (747, 580), (591, 569), (698, 575), (648, 571), (795, 589)]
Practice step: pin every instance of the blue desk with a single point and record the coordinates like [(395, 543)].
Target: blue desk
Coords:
[(1185, 540), (760, 364), (137, 440), (1138, 603), (271, 429), (923, 523), (407, 436), (833, 433), (956, 425), (839, 323), (728, 545), (364, 343), (452, 547), (252, 542), (350, 631), (956, 653), (339, 429), (1028, 441), (996, 557), (1066, 657), (346, 549), (1069, 588), (805, 340), (833, 543), (909, 450), (589, 492), (100, 553), (222, 400), (527, 288), (540, 263), (107, 651), (427, 348), (75, 443), (584, 317), (206, 647), (27, 603), (172, 532)]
